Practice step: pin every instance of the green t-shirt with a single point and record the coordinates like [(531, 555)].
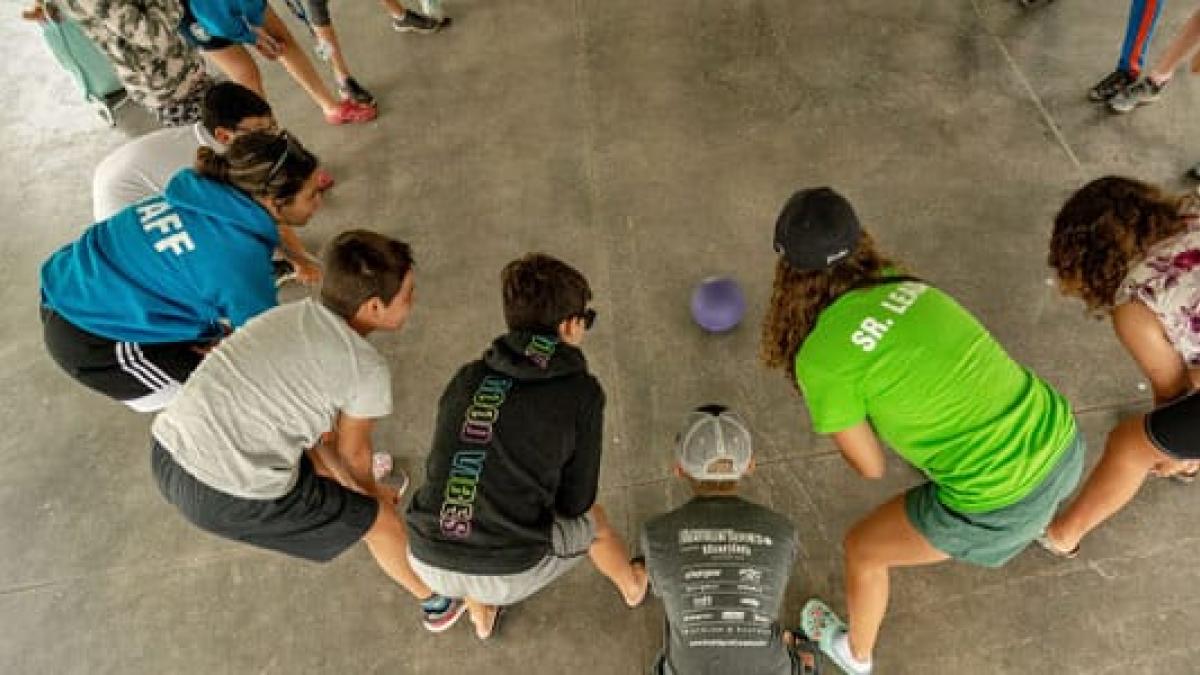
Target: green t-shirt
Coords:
[(938, 389)]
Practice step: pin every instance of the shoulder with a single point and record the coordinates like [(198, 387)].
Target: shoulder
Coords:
[(592, 388), (780, 522), (661, 527), (468, 375)]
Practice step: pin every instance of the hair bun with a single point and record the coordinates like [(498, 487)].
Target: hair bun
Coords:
[(212, 164)]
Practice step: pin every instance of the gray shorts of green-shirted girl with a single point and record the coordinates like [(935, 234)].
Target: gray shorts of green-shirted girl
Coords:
[(994, 537)]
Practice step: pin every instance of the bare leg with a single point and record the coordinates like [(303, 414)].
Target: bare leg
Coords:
[(298, 64), (1180, 47), (1128, 458), (611, 557), (877, 543), (482, 616), (337, 59), (394, 8), (387, 539), (239, 66), (388, 542)]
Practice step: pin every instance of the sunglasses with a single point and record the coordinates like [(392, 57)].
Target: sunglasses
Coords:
[(589, 318), (283, 156)]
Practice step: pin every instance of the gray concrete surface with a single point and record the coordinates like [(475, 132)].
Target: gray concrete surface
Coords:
[(650, 143)]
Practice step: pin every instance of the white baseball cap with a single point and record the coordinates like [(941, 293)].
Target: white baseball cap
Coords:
[(714, 444)]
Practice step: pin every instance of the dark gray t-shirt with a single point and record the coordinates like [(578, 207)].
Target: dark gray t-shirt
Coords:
[(721, 565)]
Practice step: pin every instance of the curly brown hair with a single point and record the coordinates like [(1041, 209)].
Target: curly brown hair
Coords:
[(798, 297), (1103, 229)]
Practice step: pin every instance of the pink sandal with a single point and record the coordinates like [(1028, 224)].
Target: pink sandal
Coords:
[(349, 112)]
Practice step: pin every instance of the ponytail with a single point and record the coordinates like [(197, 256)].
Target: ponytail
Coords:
[(212, 164), (799, 296), (270, 164)]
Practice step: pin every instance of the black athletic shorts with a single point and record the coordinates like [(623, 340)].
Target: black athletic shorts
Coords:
[(316, 520), (1175, 427), (195, 34), (143, 376)]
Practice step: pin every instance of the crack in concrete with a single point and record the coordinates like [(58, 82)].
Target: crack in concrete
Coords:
[(1025, 84)]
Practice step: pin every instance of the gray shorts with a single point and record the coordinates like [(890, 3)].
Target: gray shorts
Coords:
[(994, 537), (570, 541)]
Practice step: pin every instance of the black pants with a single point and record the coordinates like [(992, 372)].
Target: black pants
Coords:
[(144, 376)]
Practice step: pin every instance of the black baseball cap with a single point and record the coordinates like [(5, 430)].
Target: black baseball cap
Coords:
[(816, 229)]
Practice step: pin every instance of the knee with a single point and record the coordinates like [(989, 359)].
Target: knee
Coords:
[(600, 521), (858, 549), (387, 523), (1130, 442)]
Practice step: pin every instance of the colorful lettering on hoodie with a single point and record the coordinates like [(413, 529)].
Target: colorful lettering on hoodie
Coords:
[(540, 350), (466, 468)]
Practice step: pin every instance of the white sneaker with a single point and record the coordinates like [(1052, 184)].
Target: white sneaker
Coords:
[(842, 657)]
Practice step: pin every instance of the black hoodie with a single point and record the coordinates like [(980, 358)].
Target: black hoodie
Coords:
[(517, 443)]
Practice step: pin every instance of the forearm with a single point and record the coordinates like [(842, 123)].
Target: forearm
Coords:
[(345, 472), (862, 450), (867, 468), (290, 242)]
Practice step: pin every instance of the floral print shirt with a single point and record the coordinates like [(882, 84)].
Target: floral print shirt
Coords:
[(1168, 282)]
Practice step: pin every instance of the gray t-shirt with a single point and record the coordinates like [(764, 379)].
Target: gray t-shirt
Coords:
[(266, 394), (721, 565), (142, 167)]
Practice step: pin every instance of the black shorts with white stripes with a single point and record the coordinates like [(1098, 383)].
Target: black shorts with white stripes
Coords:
[(143, 376)]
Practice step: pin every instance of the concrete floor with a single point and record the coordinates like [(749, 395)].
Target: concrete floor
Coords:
[(651, 144)]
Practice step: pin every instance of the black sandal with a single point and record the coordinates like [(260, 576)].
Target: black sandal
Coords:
[(807, 653)]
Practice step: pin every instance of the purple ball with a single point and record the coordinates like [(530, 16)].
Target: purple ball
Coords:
[(718, 304)]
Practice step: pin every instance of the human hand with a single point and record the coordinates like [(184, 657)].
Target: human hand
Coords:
[(37, 12), (387, 493), (267, 45), (205, 348)]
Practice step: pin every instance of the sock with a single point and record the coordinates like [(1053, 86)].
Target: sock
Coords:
[(435, 604), (841, 646)]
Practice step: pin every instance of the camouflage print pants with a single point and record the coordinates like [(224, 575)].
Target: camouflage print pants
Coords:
[(157, 67), (186, 110)]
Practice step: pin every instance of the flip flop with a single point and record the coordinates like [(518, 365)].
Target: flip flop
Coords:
[(806, 654), (821, 624), (1055, 550), (817, 621)]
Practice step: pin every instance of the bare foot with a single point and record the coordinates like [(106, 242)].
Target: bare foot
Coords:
[(485, 625), (641, 586), (1176, 469)]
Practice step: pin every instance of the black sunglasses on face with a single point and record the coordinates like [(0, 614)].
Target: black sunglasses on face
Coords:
[(589, 318)]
